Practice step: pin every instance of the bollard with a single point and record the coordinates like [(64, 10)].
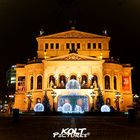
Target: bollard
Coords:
[(131, 115), (15, 115)]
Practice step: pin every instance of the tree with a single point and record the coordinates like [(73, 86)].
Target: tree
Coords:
[(46, 103), (100, 100)]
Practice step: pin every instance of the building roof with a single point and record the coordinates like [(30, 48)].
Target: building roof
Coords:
[(73, 34), (73, 57)]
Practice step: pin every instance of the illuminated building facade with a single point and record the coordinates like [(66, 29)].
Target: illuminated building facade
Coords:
[(11, 85), (11, 76), (75, 66)]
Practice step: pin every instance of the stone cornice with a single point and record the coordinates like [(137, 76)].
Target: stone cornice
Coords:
[(73, 57), (73, 34)]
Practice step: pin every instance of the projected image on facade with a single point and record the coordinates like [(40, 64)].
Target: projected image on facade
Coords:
[(73, 104)]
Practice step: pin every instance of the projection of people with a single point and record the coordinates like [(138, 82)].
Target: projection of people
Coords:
[(78, 107), (74, 103), (66, 107)]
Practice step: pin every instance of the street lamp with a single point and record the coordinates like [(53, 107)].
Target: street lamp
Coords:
[(136, 99), (92, 94), (29, 96), (53, 95), (136, 96), (117, 96)]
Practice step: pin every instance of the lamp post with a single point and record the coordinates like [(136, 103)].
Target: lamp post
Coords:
[(53, 95), (29, 96), (117, 96), (92, 94), (135, 100), (136, 97)]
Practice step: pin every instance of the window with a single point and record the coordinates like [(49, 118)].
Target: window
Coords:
[(78, 45), (57, 45), (39, 82), (67, 45), (51, 81), (94, 81), (94, 45), (115, 83), (73, 46), (52, 46), (31, 83), (84, 81), (62, 81), (46, 46), (21, 80), (89, 46), (99, 45), (21, 83), (107, 82)]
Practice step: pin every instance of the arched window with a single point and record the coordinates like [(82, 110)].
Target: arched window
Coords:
[(73, 77), (84, 81), (31, 83), (51, 81), (39, 82), (115, 83), (62, 81), (107, 82), (94, 81), (108, 101)]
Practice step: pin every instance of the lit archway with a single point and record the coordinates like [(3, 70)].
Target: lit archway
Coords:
[(52, 81), (39, 82), (115, 83), (62, 81), (84, 81), (94, 81), (73, 77), (107, 82)]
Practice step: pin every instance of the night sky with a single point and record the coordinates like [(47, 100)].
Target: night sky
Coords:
[(21, 20)]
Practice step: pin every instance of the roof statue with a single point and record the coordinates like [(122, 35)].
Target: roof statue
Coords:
[(73, 50)]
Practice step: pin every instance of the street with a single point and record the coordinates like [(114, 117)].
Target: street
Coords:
[(42, 127)]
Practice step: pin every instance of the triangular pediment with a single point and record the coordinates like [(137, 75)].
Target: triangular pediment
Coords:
[(73, 57), (72, 34)]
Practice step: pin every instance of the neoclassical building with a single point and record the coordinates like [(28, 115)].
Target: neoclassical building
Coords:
[(76, 66)]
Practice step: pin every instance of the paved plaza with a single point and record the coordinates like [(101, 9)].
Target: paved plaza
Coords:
[(31, 127)]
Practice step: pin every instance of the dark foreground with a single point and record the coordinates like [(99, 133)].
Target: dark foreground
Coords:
[(42, 127)]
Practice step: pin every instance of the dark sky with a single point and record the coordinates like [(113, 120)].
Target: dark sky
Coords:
[(21, 20)]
